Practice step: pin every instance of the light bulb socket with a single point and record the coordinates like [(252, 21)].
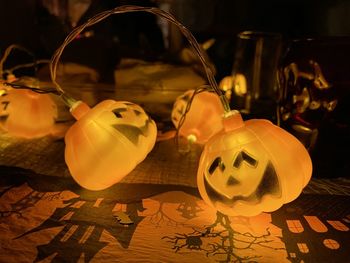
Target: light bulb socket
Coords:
[(232, 120), (79, 109)]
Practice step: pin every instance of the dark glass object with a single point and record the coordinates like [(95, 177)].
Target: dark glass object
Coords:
[(314, 104)]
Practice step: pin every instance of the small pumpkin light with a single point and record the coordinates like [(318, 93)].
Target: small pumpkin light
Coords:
[(203, 120), (107, 142), (252, 167), (27, 114)]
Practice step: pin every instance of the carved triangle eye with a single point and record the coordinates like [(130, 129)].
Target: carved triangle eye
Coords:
[(137, 112), (243, 156), (117, 112), (215, 164)]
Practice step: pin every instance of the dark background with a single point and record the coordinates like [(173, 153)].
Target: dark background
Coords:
[(32, 24)]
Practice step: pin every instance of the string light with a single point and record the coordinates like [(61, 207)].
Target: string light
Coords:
[(246, 168)]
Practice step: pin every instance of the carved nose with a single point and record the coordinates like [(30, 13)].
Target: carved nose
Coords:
[(232, 181)]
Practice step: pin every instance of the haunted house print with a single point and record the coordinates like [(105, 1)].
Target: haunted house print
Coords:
[(315, 228), (164, 225)]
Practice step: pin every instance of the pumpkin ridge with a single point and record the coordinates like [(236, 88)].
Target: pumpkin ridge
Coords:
[(297, 157), (72, 154), (109, 129), (273, 160), (91, 145), (300, 161), (287, 186)]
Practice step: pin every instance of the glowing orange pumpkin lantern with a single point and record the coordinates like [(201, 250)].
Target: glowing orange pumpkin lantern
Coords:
[(203, 120), (27, 114), (107, 142), (251, 167)]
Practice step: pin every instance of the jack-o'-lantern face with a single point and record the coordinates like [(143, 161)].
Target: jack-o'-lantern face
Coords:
[(127, 119), (252, 167), (117, 132), (132, 122), (244, 174)]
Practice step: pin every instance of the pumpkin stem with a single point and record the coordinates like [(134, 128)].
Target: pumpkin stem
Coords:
[(79, 109), (232, 120)]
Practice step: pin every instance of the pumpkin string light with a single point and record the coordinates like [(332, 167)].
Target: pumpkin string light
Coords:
[(244, 169)]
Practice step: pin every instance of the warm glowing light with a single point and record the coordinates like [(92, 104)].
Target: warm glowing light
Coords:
[(239, 84), (252, 167), (191, 138), (107, 142), (226, 86), (203, 120), (226, 83), (24, 113)]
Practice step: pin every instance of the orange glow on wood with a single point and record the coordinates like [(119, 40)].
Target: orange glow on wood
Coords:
[(27, 114), (107, 142), (203, 120), (252, 167)]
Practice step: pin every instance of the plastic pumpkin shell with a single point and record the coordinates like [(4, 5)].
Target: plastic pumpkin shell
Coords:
[(107, 142), (252, 167), (204, 118), (27, 114)]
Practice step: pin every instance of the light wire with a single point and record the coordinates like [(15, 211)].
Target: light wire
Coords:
[(127, 9), (8, 51)]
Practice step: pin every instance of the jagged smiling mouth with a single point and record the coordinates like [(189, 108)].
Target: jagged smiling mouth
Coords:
[(269, 185)]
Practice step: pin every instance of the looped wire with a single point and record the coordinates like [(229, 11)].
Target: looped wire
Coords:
[(8, 52), (126, 9)]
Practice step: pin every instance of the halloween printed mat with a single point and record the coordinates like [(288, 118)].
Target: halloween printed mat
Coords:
[(50, 219)]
